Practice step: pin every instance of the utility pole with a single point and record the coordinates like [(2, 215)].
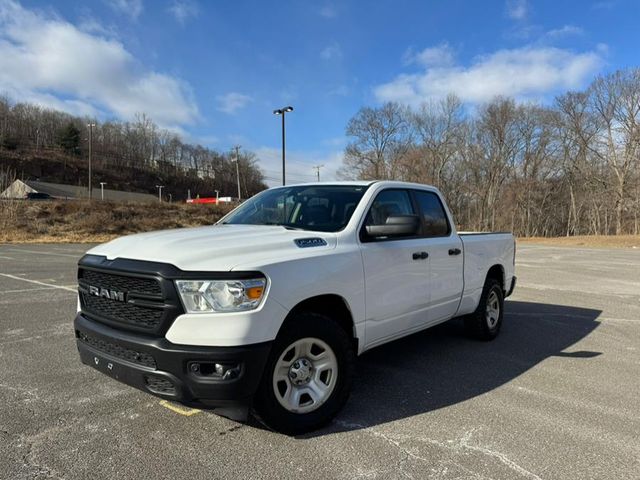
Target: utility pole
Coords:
[(237, 160), (283, 111), (159, 187), (90, 125), (317, 169), (217, 196), (102, 184)]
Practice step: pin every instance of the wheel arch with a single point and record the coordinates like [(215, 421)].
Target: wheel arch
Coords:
[(332, 305), (497, 272)]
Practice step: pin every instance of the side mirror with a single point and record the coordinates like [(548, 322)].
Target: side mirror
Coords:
[(395, 226)]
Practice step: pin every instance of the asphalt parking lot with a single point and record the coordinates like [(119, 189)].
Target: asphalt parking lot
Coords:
[(556, 396)]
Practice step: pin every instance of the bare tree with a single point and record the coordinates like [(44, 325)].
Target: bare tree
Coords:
[(381, 137)]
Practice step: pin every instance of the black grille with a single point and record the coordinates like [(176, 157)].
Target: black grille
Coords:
[(118, 351), (159, 385), (123, 312), (144, 307), (145, 286), (125, 294)]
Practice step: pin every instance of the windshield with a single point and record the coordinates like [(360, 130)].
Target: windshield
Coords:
[(324, 208)]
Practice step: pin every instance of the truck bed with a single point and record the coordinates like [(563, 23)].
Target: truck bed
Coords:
[(482, 250)]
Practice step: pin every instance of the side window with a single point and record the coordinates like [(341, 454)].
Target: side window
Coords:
[(433, 215), (387, 204)]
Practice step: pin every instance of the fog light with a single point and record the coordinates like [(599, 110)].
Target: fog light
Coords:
[(223, 371), (230, 372)]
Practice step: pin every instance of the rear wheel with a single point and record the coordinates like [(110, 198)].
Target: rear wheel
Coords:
[(308, 375), (486, 321)]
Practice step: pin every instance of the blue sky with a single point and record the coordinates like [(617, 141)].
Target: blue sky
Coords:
[(215, 70)]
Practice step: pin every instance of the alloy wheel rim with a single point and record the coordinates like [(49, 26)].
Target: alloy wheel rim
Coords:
[(492, 312), (305, 375)]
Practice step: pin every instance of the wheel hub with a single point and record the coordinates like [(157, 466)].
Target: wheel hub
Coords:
[(301, 371), (305, 375)]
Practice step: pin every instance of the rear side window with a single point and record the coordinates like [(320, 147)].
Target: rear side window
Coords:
[(387, 204), (433, 215)]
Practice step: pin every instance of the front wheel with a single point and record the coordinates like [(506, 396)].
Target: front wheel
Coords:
[(308, 375)]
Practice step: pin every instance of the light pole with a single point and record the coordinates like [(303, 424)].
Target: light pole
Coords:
[(102, 184), (282, 111), (217, 195), (317, 169), (159, 187), (237, 160), (90, 125)]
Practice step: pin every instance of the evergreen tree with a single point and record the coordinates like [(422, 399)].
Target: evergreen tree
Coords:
[(69, 138)]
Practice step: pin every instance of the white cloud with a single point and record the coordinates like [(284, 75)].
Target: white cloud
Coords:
[(299, 167), (183, 10), (132, 8), (331, 51), (517, 9), (232, 102), (528, 72), (46, 59), (564, 31), (438, 56)]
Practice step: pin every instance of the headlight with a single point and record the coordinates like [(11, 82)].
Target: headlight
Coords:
[(207, 296)]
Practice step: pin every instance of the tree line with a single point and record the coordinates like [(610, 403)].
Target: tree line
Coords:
[(126, 147), (568, 168)]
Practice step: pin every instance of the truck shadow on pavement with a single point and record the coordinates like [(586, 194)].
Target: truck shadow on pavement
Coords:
[(441, 366)]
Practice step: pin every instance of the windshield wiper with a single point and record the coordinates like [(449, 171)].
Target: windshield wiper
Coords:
[(283, 225), (289, 227)]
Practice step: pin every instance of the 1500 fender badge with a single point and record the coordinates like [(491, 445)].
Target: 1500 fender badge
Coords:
[(310, 242)]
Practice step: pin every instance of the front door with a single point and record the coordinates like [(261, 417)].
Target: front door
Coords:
[(396, 274)]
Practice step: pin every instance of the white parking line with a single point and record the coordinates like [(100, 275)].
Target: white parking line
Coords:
[(39, 283), (24, 290), (19, 250)]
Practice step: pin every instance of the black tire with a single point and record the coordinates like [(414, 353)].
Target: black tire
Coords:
[(478, 324), (268, 409)]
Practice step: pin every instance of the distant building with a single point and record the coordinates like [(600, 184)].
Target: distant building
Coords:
[(211, 200), (42, 190)]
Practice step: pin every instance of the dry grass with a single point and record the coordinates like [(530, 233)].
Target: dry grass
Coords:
[(600, 241), (81, 221)]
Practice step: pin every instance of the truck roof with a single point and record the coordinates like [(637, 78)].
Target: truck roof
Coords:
[(361, 183)]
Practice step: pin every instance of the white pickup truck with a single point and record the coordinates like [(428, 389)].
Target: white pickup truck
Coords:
[(266, 310)]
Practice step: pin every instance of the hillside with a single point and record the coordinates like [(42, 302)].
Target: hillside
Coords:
[(48, 145), (83, 221), (52, 165)]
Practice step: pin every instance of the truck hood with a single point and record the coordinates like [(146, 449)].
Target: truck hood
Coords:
[(214, 248)]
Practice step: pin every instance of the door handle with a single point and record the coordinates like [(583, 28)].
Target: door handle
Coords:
[(455, 251), (420, 255)]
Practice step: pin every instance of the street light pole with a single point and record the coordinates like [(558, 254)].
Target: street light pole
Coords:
[(217, 196), (102, 184), (160, 187), (90, 125), (283, 111), (237, 160), (317, 169)]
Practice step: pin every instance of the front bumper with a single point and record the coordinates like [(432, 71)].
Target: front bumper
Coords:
[(162, 368)]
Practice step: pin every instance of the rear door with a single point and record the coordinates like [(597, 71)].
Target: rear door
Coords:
[(396, 284), (445, 256)]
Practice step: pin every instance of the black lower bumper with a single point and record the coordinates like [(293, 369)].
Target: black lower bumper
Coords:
[(182, 373), (512, 287)]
